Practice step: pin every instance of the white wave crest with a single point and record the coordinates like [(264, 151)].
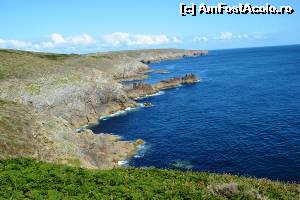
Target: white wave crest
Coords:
[(118, 113), (157, 94), (151, 95), (141, 150), (123, 162)]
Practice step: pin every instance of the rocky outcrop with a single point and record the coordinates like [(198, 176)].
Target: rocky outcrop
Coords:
[(174, 82), (141, 89), (46, 97)]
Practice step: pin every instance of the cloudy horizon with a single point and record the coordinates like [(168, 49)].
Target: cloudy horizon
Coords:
[(56, 26)]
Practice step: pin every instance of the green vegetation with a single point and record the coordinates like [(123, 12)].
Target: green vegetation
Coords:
[(15, 130), (25, 178), (101, 57), (50, 56), (66, 79), (56, 57), (23, 64), (29, 65), (33, 88)]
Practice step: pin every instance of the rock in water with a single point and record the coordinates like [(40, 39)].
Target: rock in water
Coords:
[(182, 164), (147, 104)]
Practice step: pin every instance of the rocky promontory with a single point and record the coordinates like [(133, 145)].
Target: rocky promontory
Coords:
[(45, 97), (174, 82), (172, 54), (140, 89)]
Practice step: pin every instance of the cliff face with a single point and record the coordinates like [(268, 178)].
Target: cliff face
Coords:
[(45, 97), (24, 132)]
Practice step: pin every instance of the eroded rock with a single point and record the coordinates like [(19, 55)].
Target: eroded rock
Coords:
[(141, 89)]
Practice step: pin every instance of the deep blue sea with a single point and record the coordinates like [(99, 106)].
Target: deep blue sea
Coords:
[(243, 118)]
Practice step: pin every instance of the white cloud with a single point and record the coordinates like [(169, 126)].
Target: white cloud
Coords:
[(19, 44), (116, 38), (258, 35), (230, 36), (149, 39), (46, 45), (242, 36), (120, 38), (83, 39), (2, 41), (226, 36), (176, 40), (200, 39), (14, 44), (57, 42), (57, 38)]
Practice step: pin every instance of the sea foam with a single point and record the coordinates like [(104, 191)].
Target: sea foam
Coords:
[(123, 162), (118, 113), (141, 150), (151, 95)]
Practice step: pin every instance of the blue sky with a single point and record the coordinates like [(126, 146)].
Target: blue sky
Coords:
[(100, 25)]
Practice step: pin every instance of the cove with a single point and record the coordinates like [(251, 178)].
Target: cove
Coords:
[(243, 118)]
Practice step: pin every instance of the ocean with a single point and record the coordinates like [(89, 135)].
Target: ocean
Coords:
[(243, 118)]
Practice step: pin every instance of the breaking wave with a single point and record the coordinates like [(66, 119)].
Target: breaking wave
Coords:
[(151, 95), (118, 113)]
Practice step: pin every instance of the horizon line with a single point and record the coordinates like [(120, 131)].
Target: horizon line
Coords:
[(143, 49)]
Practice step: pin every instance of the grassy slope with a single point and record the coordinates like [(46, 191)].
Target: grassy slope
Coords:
[(15, 130), (23, 64), (24, 178)]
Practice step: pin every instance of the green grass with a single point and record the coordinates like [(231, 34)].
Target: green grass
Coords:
[(22, 64), (15, 130), (25, 178), (31, 65), (33, 88), (50, 56), (56, 57)]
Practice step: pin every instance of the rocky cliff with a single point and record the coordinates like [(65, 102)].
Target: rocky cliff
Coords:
[(141, 89), (45, 97)]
